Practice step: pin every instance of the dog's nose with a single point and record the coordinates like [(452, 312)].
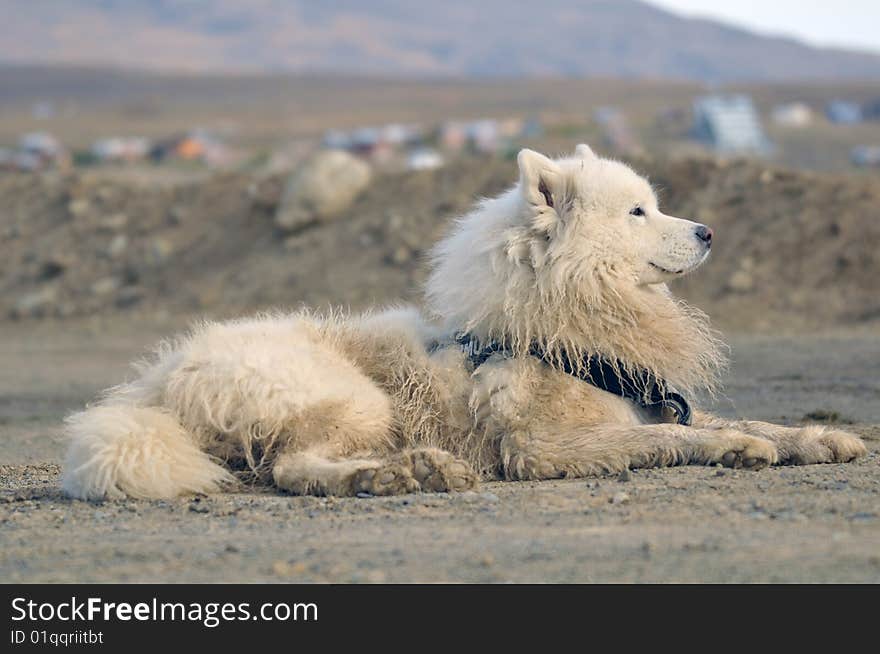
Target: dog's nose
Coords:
[(705, 235)]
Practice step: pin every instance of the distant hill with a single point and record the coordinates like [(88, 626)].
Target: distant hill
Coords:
[(506, 38)]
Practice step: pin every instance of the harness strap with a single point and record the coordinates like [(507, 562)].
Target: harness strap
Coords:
[(639, 386)]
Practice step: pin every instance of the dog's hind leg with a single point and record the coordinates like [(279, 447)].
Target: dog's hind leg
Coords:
[(605, 448), (311, 472), (342, 447), (796, 445)]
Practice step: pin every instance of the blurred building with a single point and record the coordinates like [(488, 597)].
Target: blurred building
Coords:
[(401, 136), (865, 156), (532, 128), (871, 110), (484, 135), (511, 128), (41, 144), (792, 114), (452, 136), (424, 159), (843, 112), (19, 161), (335, 139), (487, 135), (378, 144), (616, 131), (36, 151), (43, 110), (729, 124), (399, 143), (122, 149), (368, 142), (197, 145)]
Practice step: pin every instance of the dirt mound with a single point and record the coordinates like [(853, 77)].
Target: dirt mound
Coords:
[(77, 245), (792, 249)]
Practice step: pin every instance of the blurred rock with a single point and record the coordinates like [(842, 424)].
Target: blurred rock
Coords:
[(619, 498), (160, 251), (177, 215), (78, 208), (402, 255), (106, 193), (324, 187), (36, 304), (51, 269), (117, 246), (115, 221), (741, 281), (265, 194), (105, 286), (128, 296)]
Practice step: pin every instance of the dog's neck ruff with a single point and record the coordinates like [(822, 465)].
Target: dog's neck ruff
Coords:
[(640, 386)]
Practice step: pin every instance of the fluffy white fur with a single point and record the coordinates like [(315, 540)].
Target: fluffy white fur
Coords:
[(573, 258)]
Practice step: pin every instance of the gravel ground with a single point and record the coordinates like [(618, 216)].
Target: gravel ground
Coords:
[(812, 523)]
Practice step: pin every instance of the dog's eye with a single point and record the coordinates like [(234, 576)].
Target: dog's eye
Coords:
[(637, 211)]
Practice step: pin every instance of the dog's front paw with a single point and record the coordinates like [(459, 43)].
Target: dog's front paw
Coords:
[(746, 452), (440, 471), (844, 446), (817, 444)]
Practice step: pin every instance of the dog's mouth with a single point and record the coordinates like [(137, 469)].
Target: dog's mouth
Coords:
[(680, 271), (666, 270)]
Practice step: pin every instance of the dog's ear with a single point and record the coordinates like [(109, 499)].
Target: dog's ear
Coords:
[(540, 179), (585, 152)]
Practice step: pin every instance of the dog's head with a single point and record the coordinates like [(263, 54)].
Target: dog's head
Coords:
[(574, 258), (603, 215)]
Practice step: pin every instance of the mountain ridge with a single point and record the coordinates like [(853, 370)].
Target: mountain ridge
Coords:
[(497, 38)]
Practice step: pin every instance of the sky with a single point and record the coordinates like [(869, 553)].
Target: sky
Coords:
[(853, 24)]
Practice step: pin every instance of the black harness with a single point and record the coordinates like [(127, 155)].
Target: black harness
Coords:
[(641, 387)]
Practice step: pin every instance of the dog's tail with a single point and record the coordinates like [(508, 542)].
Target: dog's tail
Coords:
[(121, 450)]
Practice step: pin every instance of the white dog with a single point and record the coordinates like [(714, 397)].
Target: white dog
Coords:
[(553, 349)]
